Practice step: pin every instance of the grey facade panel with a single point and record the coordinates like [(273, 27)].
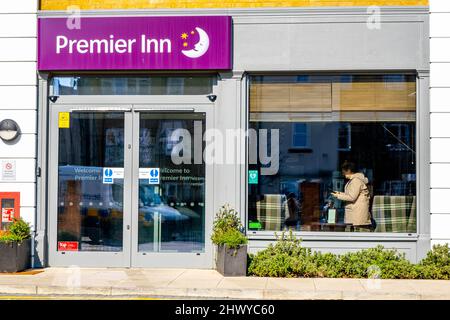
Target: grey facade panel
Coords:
[(330, 46)]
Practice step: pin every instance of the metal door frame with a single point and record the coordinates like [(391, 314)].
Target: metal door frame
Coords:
[(87, 258), (129, 257), (172, 260)]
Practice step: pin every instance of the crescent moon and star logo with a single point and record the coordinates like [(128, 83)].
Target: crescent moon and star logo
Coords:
[(200, 48)]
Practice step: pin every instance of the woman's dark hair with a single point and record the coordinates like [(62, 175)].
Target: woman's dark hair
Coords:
[(348, 166), (290, 195)]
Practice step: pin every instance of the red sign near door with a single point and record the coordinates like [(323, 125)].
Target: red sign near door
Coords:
[(9, 208), (67, 246), (7, 214)]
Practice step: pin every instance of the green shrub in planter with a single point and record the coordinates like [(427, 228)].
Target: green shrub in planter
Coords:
[(15, 247), (436, 264), (287, 258), (439, 256), (18, 231), (231, 243), (390, 263), (232, 238)]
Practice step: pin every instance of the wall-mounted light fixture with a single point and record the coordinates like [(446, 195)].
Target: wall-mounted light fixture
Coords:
[(9, 130)]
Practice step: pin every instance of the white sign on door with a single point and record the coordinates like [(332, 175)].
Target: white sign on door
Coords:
[(154, 176), (109, 174)]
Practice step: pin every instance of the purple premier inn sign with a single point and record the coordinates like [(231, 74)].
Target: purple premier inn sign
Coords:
[(135, 43)]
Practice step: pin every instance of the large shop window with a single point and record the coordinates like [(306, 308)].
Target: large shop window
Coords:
[(347, 153)]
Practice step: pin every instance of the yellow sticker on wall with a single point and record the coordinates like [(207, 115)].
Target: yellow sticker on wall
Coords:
[(64, 120)]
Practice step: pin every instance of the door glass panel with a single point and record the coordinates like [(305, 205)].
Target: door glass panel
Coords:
[(90, 181), (171, 215)]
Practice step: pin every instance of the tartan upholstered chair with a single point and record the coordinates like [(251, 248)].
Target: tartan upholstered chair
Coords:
[(394, 214), (271, 212)]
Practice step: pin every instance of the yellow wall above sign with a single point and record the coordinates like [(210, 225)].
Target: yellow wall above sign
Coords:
[(179, 4)]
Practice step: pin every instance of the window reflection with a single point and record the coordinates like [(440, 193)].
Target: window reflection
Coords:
[(155, 85), (323, 122), (171, 212), (90, 212)]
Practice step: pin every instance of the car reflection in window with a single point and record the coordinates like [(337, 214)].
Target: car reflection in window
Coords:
[(151, 203)]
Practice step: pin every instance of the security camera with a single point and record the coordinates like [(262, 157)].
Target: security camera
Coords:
[(53, 98), (212, 97)]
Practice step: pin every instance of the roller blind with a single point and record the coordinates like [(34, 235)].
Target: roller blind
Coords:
[(290, 97), (358, 98), (374, 96)]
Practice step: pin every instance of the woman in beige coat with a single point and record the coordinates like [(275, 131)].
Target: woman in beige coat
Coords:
[(356, 195)]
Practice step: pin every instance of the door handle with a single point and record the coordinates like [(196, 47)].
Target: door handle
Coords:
[(128, 227)]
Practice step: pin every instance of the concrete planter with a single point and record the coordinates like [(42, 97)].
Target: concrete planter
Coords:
[(232, 262), (15, 256)]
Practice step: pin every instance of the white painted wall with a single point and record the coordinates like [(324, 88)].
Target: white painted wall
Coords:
[(18, 96), (440, 120)]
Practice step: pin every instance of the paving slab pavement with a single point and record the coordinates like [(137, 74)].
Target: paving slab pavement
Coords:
[(117, 283)]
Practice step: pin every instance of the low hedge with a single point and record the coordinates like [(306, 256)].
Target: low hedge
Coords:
[(287, 258)]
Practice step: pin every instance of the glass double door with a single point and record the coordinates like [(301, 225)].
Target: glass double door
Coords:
[(128, 187)]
